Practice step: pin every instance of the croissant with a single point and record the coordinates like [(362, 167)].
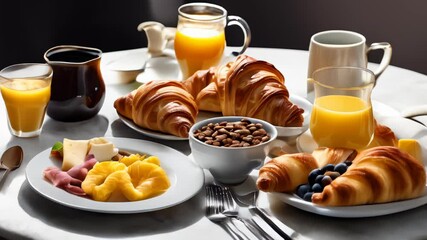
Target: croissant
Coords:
[(383, 136), (124, 104), (286, 172), (245, 87), (163, 106), (324, 155), (201, 85), (378, 175)]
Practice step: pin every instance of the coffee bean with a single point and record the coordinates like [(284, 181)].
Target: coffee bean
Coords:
[(232, 134)]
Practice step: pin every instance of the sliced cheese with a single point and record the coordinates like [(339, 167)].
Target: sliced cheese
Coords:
[(102, 149), (75, 152), (98, 140), (412, 147)]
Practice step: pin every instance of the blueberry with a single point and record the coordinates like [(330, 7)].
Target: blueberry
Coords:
[(312, 176), (341, 168), (317, 187), (326, 180), (303, 189), (307, 196), (333, 175), (348, 163), (328, 167), (319, 178)]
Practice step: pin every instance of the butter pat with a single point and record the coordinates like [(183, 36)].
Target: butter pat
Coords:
[(412, 147), (75, 152), (102, 149)]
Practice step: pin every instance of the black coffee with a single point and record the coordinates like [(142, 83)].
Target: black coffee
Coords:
[(77, 89), (71, 55)]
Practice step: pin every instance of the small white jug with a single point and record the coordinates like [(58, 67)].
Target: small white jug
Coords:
[(159, 37)]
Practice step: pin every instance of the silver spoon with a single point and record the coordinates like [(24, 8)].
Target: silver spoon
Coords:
[(11, 160)]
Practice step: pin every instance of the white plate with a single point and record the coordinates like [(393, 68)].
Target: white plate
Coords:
[(185, 176), (159, 135), (353, 211), (281, 131), (296, 131), (403, 128)]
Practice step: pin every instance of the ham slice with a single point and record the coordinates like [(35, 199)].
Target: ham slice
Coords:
[(70, 180), (80, 171)]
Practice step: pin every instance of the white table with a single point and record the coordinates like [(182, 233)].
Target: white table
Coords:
[(26, 214)]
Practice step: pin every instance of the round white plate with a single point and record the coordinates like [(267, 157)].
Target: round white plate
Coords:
[(403, 128), (159, 135), (281, 131), (296, 131), (371, 210), (185, 176)]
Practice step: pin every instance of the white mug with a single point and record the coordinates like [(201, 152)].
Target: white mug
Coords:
[(342, 48)]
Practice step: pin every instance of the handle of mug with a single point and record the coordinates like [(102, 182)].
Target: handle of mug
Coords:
[(386, 47), (235, 20)]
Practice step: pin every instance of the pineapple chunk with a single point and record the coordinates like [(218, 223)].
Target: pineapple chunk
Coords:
[(147, 180), (412, 147), (104, 179), (128, 160)]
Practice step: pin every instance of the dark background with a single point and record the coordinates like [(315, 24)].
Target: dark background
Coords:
[(29, 28)]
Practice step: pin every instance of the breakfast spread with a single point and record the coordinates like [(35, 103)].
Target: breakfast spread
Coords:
[(242, 133), (345, 177), (130, 178), (246, 87)]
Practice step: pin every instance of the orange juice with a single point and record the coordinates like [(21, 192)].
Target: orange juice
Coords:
[(26, 101), (342, 121), (198, 49)]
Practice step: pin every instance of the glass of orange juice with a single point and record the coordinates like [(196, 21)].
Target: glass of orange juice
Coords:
[(200, 39), (25, 89), (342, 113)]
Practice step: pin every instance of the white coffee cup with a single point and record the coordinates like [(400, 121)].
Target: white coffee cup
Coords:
[(342, 48)]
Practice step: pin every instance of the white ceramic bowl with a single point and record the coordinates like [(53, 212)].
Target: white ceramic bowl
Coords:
[(230, 165)]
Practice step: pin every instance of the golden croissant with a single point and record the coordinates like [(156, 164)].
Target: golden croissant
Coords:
[(324, 155), (286, 172), (383, 136), (163, 106), (245, 87), (377, 175)]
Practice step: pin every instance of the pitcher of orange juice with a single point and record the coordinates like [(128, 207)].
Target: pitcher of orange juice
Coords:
[(342, 115), (200, 38)]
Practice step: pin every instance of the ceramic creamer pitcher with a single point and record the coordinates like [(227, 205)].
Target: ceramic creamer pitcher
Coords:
[(159, 37)]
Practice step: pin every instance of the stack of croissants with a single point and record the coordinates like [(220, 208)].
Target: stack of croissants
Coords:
[(244, 87), (380, 173)]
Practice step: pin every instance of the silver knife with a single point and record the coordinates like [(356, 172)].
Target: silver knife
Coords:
[(284, 231)]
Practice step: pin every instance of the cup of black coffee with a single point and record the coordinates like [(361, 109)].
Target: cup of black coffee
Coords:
[(77, 89)]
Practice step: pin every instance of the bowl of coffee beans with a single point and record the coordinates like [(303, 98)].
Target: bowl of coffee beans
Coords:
[(230, 147)]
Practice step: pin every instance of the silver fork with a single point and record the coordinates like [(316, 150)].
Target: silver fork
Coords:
[(250, 201), (214, 213), (231, 210)]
